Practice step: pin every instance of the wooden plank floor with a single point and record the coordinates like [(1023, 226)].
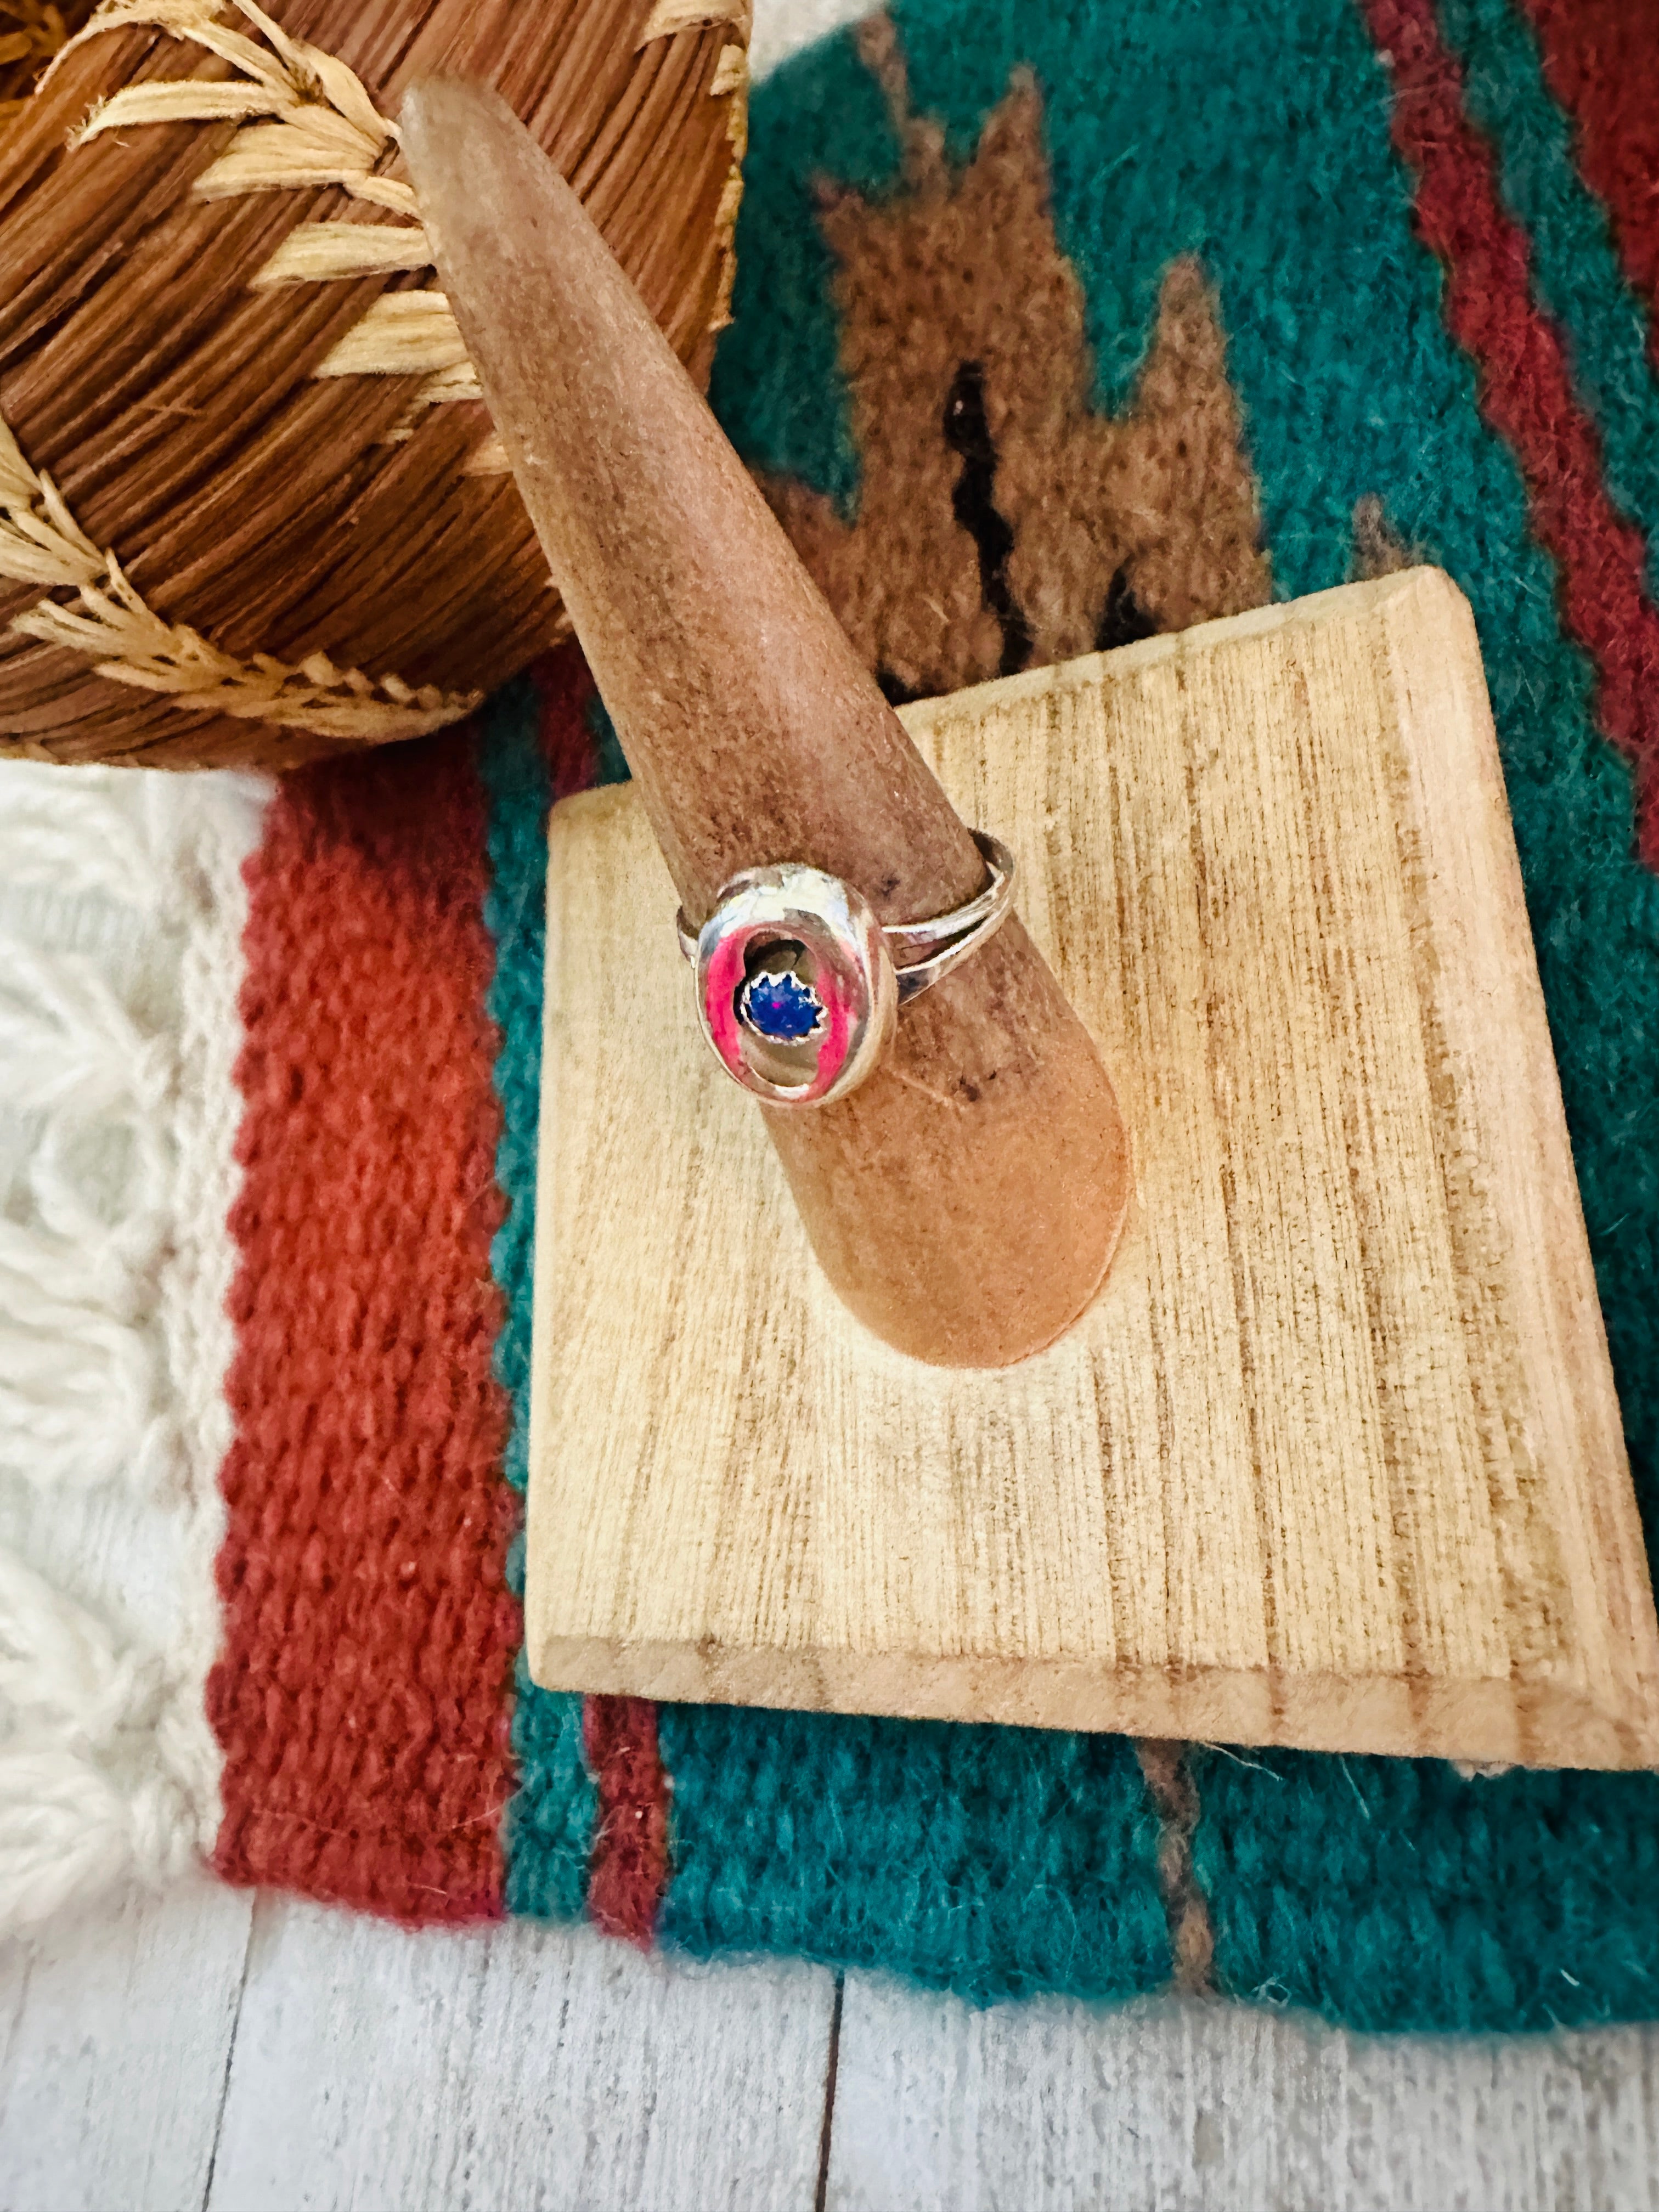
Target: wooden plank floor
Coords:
[(209, 2050)]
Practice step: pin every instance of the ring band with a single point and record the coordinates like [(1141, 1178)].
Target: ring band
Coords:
[(798, 991)]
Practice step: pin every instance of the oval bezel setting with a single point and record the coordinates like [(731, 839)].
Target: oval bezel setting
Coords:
[(831, 928)]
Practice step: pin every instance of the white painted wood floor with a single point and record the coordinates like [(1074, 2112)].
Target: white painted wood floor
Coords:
[(207, 2049)]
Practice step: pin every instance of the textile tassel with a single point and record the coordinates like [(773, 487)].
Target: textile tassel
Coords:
[(80, 1400), (86, 1797)]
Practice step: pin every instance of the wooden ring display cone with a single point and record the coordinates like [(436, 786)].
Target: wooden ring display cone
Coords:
[(964, 1202)]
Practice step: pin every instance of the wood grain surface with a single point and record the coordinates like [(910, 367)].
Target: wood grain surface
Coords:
[(116, 2028), (518, 2065), (154, 2058), (1184, 2106), (1335, 1460), (205, 2049)]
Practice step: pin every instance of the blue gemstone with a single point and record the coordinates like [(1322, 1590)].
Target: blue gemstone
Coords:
[(781, 1007)]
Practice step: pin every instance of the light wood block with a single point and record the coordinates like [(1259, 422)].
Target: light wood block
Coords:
[(1334, 1460)]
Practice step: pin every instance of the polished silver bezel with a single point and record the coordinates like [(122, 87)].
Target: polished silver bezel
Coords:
[(852, 957), (789, 903)]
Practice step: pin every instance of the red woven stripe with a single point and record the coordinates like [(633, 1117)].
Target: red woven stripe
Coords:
[(1526, 389), (564, 692), (627, 1872), (362, 1692), (1602, 61)]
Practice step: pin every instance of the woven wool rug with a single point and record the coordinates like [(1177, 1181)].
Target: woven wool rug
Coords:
[(1056, 325)]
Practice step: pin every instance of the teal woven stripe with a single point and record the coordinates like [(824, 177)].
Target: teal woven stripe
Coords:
[(1390, 1893), (994, 1862), (785, 408), (1576, 271), (549, 1822)]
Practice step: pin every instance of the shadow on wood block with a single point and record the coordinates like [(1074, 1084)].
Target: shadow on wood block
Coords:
[(1334, 1459)]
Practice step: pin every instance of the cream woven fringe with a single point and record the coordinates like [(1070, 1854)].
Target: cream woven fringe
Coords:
[(121, 914)]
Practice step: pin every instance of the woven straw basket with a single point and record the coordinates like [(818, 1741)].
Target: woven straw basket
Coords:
[(251, 509)]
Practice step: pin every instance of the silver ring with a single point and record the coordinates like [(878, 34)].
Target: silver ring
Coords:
[(798, 991)]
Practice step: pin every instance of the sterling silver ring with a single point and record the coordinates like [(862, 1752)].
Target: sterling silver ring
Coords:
[(798, 990)]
